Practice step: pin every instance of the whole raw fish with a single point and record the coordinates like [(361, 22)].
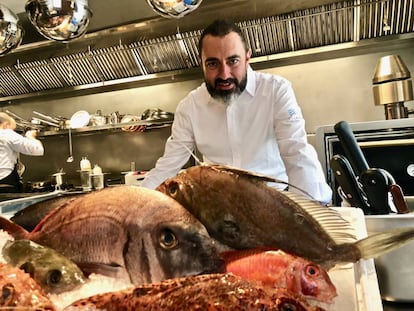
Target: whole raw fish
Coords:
[(277, 269), (126, 232), (239, 209), (20, 292), (52, 271), (212, 292)]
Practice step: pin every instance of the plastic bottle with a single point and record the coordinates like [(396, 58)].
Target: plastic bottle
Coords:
[(85, 164)]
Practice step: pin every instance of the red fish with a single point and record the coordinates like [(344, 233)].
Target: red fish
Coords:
[(277, 269), (210, 292)]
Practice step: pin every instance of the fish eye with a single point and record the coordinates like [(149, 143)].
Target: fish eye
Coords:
[(28, 268), (312, 270), (168, 240), (288, 306), (53, 277), (6, 293), (173, 188)]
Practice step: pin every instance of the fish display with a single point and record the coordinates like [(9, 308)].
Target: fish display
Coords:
[(52, 271), (276, 269), (20, 292), (239, 209), (213, 292), (30, 216), (127, 232)]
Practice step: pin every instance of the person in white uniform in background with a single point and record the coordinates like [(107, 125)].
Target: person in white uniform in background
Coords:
[(241, 118), (11, 145)]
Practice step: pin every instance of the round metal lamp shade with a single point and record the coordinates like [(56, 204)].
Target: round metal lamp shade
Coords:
[(174, 8), (61, 20), (11, 33)]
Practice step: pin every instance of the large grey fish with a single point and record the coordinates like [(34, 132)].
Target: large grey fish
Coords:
[(132, 233), (52, 271), (239, 209)]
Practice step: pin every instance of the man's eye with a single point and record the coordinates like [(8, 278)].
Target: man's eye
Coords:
[(233, 61), (211, 65)]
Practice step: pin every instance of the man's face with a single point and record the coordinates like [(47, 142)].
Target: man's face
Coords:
[(224, 62)]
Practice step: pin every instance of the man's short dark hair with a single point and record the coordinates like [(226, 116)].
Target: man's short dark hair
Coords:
[(220, 28)]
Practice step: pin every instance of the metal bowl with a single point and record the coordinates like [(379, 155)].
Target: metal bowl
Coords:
[(174, 8), (11, 33), (61, 20)]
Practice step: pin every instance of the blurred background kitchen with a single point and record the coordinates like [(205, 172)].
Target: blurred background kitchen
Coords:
[(132, 59)]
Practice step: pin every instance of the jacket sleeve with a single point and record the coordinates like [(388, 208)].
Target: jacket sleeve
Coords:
[(27, 146), (299, 157), (178, 149)]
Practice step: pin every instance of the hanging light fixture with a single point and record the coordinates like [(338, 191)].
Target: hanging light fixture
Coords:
[(174, 8), (11, 33), (60, 20)]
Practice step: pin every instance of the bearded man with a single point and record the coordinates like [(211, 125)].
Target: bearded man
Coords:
[(241, 118)]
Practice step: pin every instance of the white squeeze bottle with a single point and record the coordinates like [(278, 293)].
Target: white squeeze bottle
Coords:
[(85, 164)]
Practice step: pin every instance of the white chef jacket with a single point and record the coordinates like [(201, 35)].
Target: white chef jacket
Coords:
[(262, 131), (11, 144)]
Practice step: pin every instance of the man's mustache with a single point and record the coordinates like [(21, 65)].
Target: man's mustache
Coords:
[(229, 80)]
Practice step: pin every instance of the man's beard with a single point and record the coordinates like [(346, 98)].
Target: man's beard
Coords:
[(227, 97)]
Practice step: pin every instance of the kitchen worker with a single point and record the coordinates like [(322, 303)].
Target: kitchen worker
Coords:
[(241, 118), (11, 145)]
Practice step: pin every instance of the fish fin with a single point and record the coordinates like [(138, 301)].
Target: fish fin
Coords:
[(380, 243), (88, 268), (338, 228), (13, 229)]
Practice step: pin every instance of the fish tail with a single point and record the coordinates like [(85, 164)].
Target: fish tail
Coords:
[(380, 243), (13, 229)]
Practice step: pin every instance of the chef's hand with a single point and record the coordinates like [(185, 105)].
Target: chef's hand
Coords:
[(31, 134)]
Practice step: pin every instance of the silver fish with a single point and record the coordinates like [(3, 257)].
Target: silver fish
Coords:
[(126, 232), (52, 271), (239, 209)]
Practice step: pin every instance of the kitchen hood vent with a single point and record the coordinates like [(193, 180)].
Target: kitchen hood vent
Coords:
[(71, 71)]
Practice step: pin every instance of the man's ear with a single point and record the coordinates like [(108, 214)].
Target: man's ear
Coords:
[(248, 54)]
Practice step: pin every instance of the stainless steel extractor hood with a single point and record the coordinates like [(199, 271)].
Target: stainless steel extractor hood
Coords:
[(128, 45)]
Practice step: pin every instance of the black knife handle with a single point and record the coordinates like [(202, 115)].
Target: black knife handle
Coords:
[(348, 182), (352, 150), (376, 187)]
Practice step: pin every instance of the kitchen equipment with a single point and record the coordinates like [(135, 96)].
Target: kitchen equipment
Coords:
[(174, 8), (62, 20), (98, 119), (348, 182), (70, 157), (392, 86), (58, 180), (11, 32), (386, 144), (375, 182), (395, 270), (79, 119)]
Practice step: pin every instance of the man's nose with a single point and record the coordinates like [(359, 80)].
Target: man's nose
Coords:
[(224, 71)]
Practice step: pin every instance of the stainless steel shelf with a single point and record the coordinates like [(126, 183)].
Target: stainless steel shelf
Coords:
[(107, 127)]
